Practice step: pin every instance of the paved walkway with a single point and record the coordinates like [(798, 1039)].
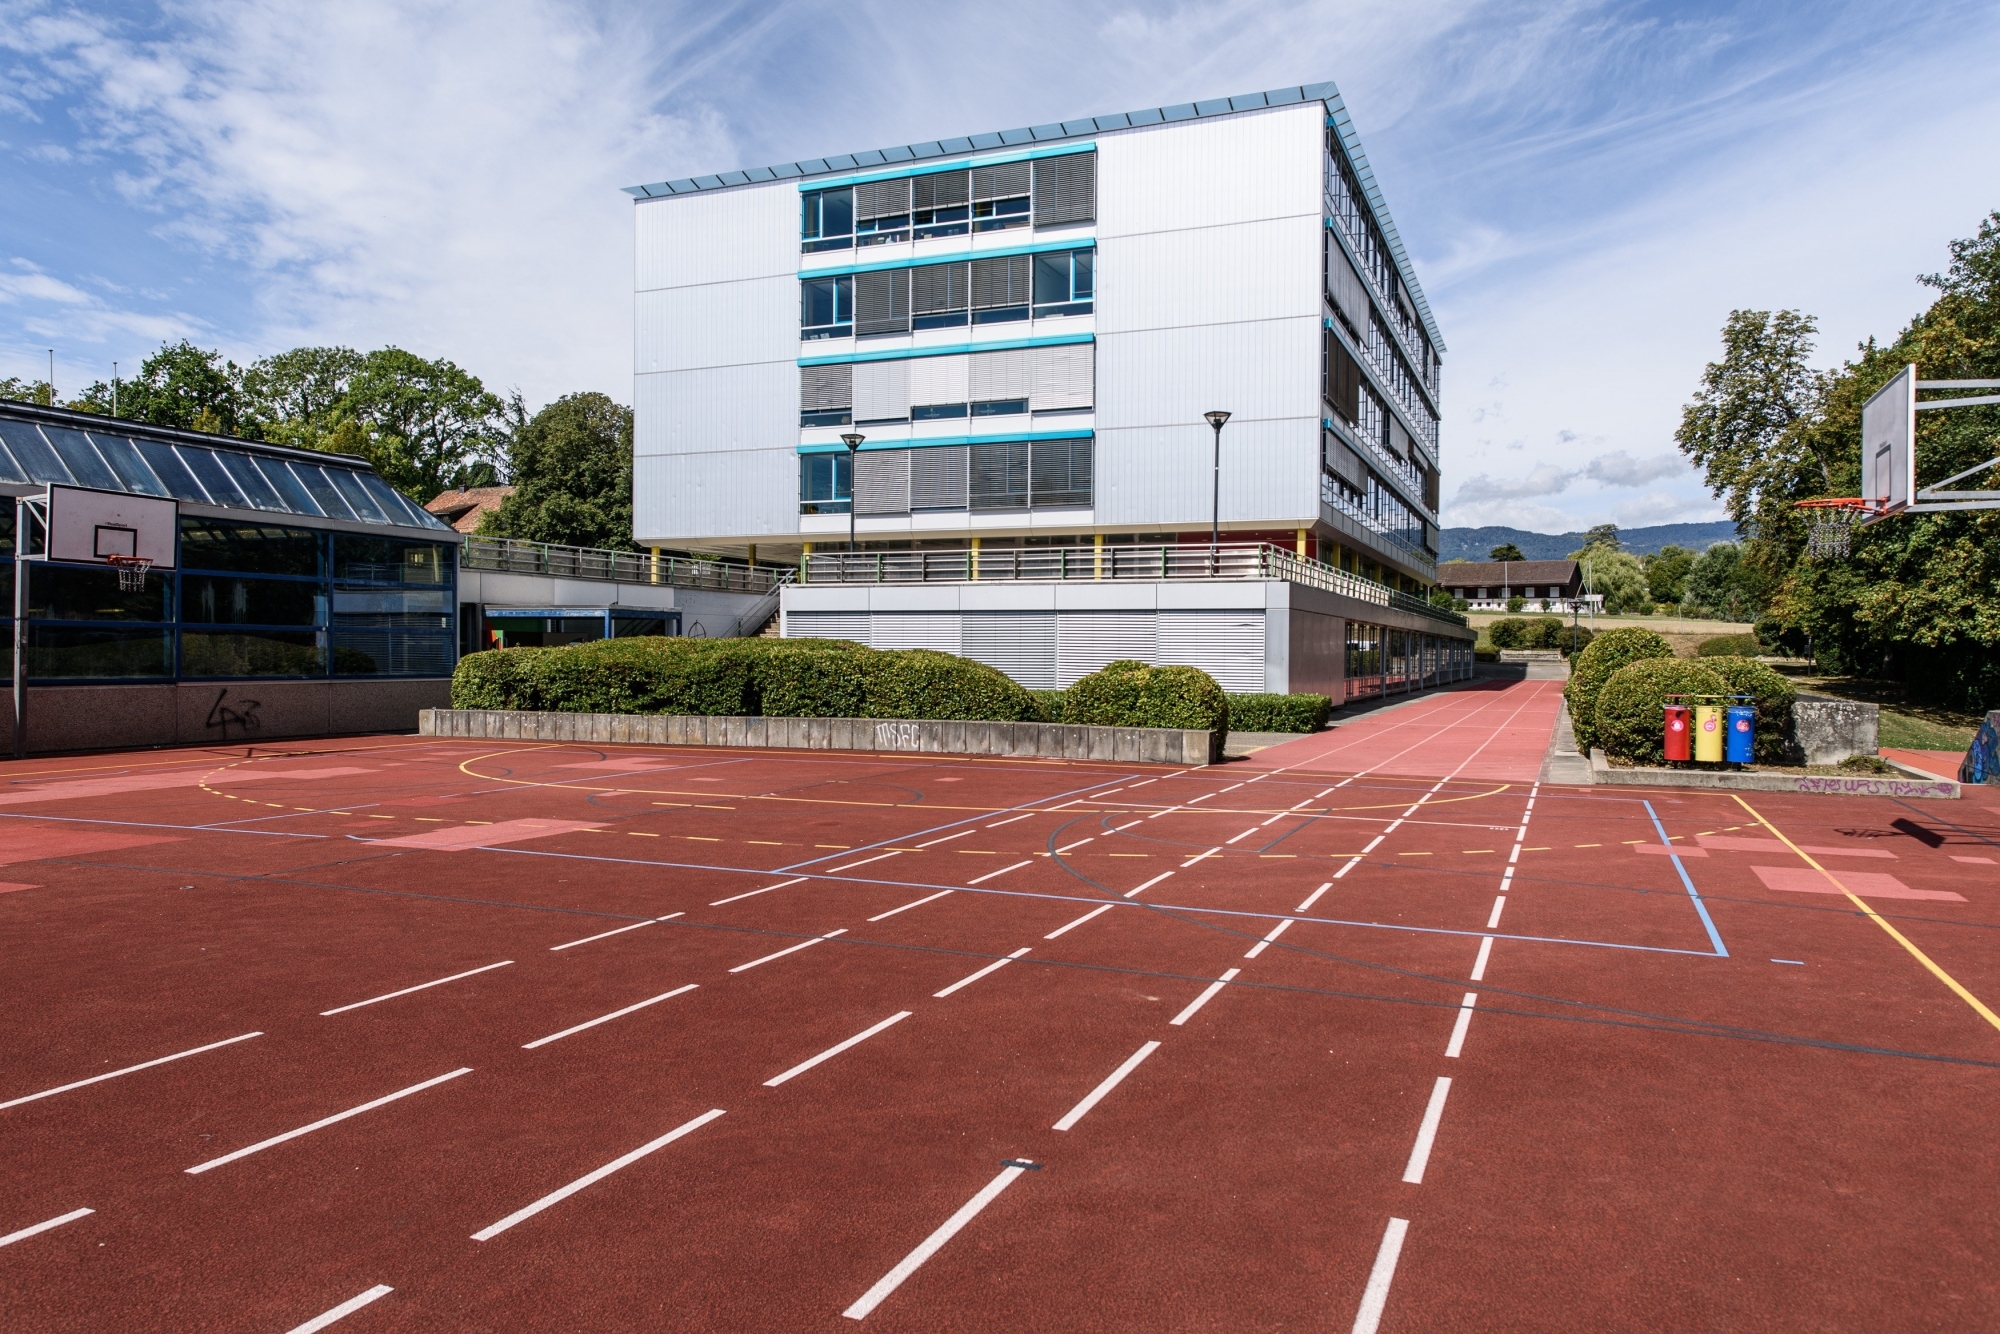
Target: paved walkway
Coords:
[(1490, 730)]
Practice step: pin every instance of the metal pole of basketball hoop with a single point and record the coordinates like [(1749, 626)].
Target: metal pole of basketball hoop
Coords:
[(23, 516)]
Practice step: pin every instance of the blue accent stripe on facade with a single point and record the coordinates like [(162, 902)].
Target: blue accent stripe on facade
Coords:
[(928, 441), (952, 350), (1024, 155)]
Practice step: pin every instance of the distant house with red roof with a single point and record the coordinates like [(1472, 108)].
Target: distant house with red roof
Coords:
[(463, 507)]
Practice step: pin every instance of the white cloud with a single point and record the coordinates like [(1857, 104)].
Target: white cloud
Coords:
[(1545, 479), (1620, 469)]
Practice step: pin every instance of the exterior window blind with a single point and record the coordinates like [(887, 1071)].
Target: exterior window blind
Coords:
[(1344, 462), (939, 380), (939, 288), (1343, 286), (1399, 439), (999, 476), (1000, 282), (882, 482), (881, 391), (1061, 473), (1001, 182), (1001, 375), (882, 199), (882, 302), (937, 477), (1066, 189), (1064, 377), (944, 189), (824, 388), (1343, 380)]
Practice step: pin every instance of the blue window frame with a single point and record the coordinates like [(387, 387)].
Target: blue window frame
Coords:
[(827, 220), (826, 307), (1065, 283), (826, 483)]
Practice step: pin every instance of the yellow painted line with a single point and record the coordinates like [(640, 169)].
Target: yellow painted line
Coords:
[(697, 838), (1877, 918), (381, 817), (479, 822), (838, 847), (1277, 856), (974, 852), (633, 833), (1630, 841), (682, 804), (766, 843), (1590, 845), (1413, 854), (1538, 849), (307, 809), (1469, 852), (700, 807), (429, 819)]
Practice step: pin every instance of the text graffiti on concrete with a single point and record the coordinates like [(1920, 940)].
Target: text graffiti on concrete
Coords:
[(243, 717)]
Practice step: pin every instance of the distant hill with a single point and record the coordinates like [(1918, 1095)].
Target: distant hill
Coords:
[(1474, 543)]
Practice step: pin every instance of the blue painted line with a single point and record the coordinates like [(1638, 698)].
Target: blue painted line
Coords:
[(1714, 936)]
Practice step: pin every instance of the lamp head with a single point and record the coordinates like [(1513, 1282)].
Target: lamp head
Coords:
[(1216, 418), (852, 440)]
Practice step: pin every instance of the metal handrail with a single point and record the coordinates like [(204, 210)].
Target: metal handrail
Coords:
[(1259, 560), (514, 556)]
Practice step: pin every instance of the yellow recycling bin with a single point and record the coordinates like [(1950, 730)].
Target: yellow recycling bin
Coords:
[(1708, 732)]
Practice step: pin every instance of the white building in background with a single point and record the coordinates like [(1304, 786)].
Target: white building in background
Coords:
[(1026, 330)]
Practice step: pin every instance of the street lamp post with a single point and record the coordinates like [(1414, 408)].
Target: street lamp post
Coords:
[(1215, 419), (853, 441)]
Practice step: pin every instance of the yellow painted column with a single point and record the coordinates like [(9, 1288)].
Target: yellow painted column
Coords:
[(656, 564), (975, 559), (1097, 545), (1302, 544), (805, 563), (753, 555)]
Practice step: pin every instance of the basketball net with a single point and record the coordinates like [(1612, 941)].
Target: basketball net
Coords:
[(131, 572), (1830, 536)]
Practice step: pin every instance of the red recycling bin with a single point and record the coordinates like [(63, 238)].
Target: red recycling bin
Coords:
[(1680, 736)]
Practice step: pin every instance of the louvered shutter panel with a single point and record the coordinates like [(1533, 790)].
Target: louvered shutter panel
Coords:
[(937, 477), (999, 476), (1228, 645), (1066, 189), (1001, 182), (1019, 643), (1001, 375), (881, 199), (1343, 285), (1088, 640), (1399, 439), (1343, 380), (1000, 282), (1064, 377), (824, 388), (1061, 473), (944, 189), (937, 288), (939, 380), (882, 482), (827, 625), (882, 302), (881, 391), (934, 630)]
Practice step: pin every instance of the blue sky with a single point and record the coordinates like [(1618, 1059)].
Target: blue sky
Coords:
[(1587, 188)]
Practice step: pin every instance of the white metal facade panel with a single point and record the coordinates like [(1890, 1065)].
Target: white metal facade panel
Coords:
[(936, 630), (827, 625), (1198, 173), (747, 493), (881, 390), (1260, 269), (1019, 643), (1270, 472), (1087, 640), (1228, 645), (724, 407), (1264, 370), (722, 324), (716, 237), (940, 380)]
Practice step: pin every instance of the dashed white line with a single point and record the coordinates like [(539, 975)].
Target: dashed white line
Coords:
[(1420, 1152), (946, 839), (1096, 1095), (1204, 998), (130, 1069), (421, 986), (1494, 921), (837, 1048), (1276, 931), (606, 935), (325, 1121), (755, 892), (1457, 1043), (1200, 856), (591, 1178), (1479, 964), (1134, 893), (793, 949), (929, 898), (346, 1308), (1002, 871), (993, 967), (863, 862), (27, 1232), (1119, 829), (605, 1019), (932, 1244), (1010, 819), (1081, 920), (1245, 834), (1376, 1295), (1313, 897), (1079, 843)]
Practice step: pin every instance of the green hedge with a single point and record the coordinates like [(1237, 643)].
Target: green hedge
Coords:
[(1631, 705), (1591, 668), (1538, 632), (1132, 694), (1770, 694), (1279, 713), (1729, 646)]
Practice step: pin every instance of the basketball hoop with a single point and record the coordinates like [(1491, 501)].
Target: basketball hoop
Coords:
[(1834, 520), (131, 572)]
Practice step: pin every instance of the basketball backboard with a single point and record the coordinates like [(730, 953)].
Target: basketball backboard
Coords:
[(93, 526), (1888, 433)]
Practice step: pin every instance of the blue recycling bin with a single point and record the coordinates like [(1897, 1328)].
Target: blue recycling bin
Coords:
[(1740, 741)]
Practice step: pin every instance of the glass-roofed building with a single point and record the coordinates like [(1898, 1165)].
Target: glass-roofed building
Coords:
[(304, 595)]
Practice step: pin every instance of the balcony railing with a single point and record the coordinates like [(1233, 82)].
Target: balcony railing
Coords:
[(514, 556), (1066, 564)]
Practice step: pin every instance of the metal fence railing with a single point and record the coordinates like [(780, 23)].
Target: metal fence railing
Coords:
[(1045, 564), (514, 556)]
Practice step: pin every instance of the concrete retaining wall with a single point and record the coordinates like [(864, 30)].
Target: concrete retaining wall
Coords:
[(115, 717), (1137, 745), (1830, 730), (1829, 785)]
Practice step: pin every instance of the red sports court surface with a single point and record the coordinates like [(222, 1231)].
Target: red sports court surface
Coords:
[(409, 1034)]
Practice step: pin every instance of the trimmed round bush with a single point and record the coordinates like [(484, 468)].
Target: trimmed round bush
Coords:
[(1279, 713), (1131, 694), (1591, 668), (495, 679), (1729, 646), (1573, 639), (1508, 632), (1772, 696), (1631, 704)]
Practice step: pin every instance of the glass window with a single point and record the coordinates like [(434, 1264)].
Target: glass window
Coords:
[(356, 496), (250, 481), (123, 456), (287, 486), (90, 593), (82, 458), (827, 307), (937, 412), (392, 607), (259, 653), (389, 653), (388, 560), (82, 653), (322, 491), (213, 600), (826, 220), (205, 466), (398, 507), (167, 466), (1063, 283), (826, 483), (222, 544), (10, 471), (33, 453), (1001, 407)]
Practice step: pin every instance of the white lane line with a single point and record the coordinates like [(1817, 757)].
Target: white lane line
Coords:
[(802, 945), (1079, 843), (993, 967), (1313, 897), (1081, 920), (1201, 1000), (838, 1048), (1010, 819), (615, 1014), (1198, 857), (946, 839), (346, 1308), (1376, 1295), (1494, 920), (421, 986), (1096, 1095), (325, 1121), (906, 907), (755, 892), (1457, 1043), (591, 1178), (1377, 843), (620, 931), (934, 1243), (1342, 872), (130, 1069), (1245, 834), (1276, 931), (1113, 1081), (1168, 811), (1002, 871), (1479, 964), (1134, 893), (1420, 1152), (1119, 829), (1206, 795), (863, 862), (28, 1232), (1141, 783), (1231, 788), (1323, 791), (1514, 855)]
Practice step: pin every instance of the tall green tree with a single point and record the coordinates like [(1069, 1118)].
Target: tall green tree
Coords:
[(186, 386), (572, 466), (1748, 426), (1666, 573), (1505, 551), (425, 425), (1604, 535), (298, 396)]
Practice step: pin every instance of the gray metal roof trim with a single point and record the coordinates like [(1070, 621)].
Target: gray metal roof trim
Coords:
[(1350, 139)]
